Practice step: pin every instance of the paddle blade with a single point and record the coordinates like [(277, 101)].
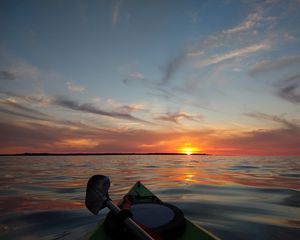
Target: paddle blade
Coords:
[(97, 193)]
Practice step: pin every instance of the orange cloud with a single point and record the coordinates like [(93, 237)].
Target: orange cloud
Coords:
[(56, 138)]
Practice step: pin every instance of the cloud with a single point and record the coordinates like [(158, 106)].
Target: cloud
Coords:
[(259, 142), (290, 93), (234, 54), (248, 23), (20, 69), (274, 118), (226, 36), (194, 54), (177, 116), (74, 87), (289, 89), (116, 11), (36, 99), (54, 138), (89, 108), (270, 65), (49, 137), (213, 42), (130, 108), (172, 66), (20, 114), (121, 108), (13, 103), (8, 75)]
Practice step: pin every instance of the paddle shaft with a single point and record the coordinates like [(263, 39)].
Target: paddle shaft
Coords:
[(130, 224)]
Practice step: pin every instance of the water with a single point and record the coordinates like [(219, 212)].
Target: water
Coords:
[(233, 197)]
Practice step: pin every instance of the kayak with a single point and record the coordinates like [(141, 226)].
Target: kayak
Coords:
[(144, 202)]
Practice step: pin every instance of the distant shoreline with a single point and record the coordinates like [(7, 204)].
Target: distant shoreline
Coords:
[(89, 154)]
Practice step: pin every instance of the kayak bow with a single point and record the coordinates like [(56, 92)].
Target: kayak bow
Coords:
[(141, 197)]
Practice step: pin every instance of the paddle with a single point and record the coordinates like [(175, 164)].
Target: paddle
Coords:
[(97, 198)]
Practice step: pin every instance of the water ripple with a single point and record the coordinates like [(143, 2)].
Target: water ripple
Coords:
[(233, 197)]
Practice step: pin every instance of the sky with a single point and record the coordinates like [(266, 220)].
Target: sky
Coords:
[(216, 77)]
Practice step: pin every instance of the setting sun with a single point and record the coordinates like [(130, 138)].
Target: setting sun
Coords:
[(188, 149)]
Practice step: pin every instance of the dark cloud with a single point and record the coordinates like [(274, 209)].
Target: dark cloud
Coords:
[(8, 105), (51, 136), (34, 136), (89, 108), (279, 119), (261, 142), (289, 89), (40, 138), (19, 114), (65, 138), (26, 109), (172, 66), (7, 75), (290, 93), (176, 117)]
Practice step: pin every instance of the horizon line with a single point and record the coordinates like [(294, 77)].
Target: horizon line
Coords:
[(105, 153)]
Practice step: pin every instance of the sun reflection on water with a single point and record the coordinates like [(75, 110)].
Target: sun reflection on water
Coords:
[(250, 190)]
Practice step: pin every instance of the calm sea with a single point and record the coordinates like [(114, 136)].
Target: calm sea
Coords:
[(233, 197)]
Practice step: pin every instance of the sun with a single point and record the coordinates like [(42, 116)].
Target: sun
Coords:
[(188, 149)]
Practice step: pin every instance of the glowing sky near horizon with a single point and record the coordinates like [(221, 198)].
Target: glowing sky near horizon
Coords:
[(221, 77)]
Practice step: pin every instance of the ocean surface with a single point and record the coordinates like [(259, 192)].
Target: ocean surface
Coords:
[(42, 197)]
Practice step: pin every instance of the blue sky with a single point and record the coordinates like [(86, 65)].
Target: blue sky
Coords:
[(150, 76)]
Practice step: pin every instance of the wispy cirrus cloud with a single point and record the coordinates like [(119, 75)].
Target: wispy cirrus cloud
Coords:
[(274, 64), (40, 99), (13, 113), (274, 118), (286, 87), (234, 54), (12, 103), (27, 104), (251, 20), (90, 108), (226, 37)]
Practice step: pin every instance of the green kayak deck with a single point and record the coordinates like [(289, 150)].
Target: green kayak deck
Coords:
[(192, 232)]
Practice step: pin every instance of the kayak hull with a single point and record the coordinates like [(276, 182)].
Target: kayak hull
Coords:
[(191, 230)]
